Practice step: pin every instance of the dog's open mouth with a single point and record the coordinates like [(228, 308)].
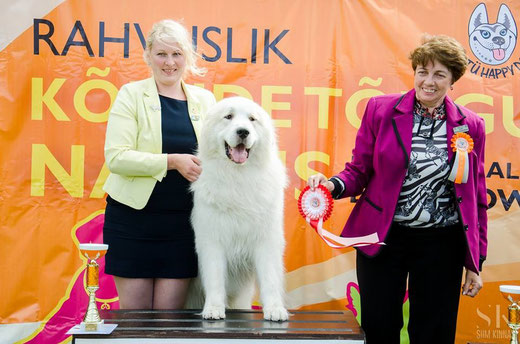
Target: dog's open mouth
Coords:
[(238, 154)]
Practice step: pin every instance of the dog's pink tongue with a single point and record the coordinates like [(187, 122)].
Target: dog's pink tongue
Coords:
[(499, 54), (239, 154)]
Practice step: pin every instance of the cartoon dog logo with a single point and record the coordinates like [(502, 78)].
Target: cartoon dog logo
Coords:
[(492, 44)]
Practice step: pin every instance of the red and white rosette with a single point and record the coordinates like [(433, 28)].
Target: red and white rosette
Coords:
[(316, 207), (315, 204)]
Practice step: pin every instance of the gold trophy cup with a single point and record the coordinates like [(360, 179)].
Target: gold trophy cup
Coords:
[(512, 294), (92, 320)]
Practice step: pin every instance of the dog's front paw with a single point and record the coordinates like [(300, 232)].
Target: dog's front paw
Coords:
[(214, 312), (276, 313)]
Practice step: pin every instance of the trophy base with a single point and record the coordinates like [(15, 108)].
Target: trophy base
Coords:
[(91, 327), (101, 328)]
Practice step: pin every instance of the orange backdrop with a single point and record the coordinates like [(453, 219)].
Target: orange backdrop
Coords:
[(311, 64)]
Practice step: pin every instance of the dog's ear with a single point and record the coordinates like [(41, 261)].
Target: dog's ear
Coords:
[(505, 17), (478, 17)]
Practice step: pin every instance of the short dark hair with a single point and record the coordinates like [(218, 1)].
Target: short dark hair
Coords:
[(444, 49)]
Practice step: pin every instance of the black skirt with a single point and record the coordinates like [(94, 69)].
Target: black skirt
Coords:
[(143, 244)]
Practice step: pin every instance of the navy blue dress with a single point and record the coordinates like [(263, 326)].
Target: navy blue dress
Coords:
[(157, 241)]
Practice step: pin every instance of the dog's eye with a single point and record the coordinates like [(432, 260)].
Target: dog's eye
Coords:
[(252, 119), (485, 33), (503, 32), (229, 116)]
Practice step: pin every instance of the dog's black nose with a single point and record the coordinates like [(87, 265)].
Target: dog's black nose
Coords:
[(242, 133), (498, 40)]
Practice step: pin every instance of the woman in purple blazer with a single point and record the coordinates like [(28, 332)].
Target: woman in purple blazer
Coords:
[(418, 163)]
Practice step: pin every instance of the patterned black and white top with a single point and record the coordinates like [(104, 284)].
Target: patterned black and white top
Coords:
[(426, 198)]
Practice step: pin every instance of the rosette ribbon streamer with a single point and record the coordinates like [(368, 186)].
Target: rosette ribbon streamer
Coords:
[(316, 207), (462, 145)]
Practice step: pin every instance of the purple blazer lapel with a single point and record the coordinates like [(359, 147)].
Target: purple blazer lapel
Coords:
[(402, 121)]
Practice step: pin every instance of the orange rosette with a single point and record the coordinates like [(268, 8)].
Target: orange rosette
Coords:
[(462, 141), (462, 144)]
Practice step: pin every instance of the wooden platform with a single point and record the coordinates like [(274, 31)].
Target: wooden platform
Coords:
[(240, 326)]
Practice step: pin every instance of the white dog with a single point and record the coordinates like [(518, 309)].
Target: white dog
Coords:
[(238, 211)]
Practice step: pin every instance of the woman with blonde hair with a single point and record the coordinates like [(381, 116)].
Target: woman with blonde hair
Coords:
[(150, 144)]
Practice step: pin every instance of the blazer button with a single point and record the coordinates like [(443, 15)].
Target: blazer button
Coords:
[(465, 227), (459, 199)]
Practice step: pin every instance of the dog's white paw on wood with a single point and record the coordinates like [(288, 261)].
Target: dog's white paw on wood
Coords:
[(214, 312), (278, 313)]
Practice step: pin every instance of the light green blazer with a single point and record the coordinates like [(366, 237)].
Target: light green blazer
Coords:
[(133, 144)]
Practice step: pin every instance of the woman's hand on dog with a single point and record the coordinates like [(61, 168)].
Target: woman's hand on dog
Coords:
[(188, 165), (318, 179)]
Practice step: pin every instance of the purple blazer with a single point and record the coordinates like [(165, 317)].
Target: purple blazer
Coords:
[(379, 165)]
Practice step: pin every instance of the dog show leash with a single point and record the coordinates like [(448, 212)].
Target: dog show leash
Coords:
[(316, 206)]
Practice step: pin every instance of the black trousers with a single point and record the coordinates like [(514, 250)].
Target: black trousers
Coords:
[(431, 260)]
